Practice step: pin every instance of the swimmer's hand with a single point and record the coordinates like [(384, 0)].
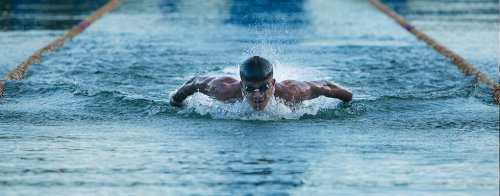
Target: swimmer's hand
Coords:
[(174, 102)]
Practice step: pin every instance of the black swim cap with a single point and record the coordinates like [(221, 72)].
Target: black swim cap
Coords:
[(256, 69)]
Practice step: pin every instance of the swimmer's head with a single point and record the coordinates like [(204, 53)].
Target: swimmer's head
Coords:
[(256, 69), (257, 82)]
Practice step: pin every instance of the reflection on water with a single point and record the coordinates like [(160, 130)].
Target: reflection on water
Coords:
[(46, 14), (210, 12), (253, 13), (289, 13)]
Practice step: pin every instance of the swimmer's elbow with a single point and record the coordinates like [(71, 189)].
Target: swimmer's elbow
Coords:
[(195, 80), (191, 81), (197, 83)]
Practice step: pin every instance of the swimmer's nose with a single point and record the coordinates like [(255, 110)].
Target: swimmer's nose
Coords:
[(258, 96)]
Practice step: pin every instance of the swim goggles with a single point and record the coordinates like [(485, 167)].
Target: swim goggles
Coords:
[(250, 89)]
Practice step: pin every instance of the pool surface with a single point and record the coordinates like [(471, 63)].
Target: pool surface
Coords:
[(94, 116)]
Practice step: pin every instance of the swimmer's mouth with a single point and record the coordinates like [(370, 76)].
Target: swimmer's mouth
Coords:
[(258, 104)]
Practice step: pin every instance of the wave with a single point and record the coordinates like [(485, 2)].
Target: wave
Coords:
[(125, 104), (203, 106), (94, 103), (200, 105)]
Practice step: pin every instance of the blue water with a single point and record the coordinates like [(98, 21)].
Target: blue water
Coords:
[(93, 117)]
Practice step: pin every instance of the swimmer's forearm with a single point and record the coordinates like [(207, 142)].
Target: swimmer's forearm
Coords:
[(178, 97), (182, 94), (336, 91), (330, 89), (344, 95), (195, 84)]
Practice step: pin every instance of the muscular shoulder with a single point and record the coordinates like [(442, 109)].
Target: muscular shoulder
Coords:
[(292, 90), (224, 80), (293, 85), (225, 88)]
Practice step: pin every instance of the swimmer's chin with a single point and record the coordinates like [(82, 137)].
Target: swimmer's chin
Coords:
[(259, 107)]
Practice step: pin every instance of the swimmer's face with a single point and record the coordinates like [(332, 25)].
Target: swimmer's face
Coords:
[(259, 93)]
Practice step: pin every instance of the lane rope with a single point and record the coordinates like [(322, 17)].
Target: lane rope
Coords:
[(466, 67), (1, 89), (20, 71)]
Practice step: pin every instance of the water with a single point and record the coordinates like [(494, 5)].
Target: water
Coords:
[(94, 118)]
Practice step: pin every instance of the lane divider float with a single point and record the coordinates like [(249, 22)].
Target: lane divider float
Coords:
[(20, 71), (466, 67)]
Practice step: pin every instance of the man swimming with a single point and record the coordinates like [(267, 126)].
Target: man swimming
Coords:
[(258, 86)]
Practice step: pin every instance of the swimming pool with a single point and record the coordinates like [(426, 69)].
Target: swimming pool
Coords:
[(94, 117)]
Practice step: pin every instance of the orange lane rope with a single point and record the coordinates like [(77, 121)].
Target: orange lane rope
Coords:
[(466, 67), (1, 89), (20, 71)]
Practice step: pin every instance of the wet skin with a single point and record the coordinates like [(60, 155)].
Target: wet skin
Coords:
[(231, 89)]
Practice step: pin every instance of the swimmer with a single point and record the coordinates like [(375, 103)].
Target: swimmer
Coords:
[(258, 86)]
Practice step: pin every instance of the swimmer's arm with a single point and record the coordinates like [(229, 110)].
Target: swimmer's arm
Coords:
[(330, 89), (220, 88), (195, 84)]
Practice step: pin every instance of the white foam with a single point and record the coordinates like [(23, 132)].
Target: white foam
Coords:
[(275, 110)]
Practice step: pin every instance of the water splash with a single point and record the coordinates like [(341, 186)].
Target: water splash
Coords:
[(241, 110), (286, 66)]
